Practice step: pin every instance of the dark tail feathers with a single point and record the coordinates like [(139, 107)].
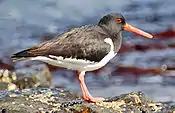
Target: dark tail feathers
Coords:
[(22, 55)]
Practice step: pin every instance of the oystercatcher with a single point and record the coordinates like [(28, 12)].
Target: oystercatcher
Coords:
[(83, 49)]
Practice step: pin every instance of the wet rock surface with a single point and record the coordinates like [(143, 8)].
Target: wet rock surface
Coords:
[(55, 100)]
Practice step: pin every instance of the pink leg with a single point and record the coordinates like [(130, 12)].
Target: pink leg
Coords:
[(86, 95)]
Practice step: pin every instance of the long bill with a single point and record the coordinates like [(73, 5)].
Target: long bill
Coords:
[(130, 28)]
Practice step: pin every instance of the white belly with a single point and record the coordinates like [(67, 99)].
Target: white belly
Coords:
[(76, 64)]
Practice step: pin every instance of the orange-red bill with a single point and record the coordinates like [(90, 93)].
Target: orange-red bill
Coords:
[(130, 28)]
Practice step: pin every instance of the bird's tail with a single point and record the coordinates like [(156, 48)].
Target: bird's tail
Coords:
[(22, 55)]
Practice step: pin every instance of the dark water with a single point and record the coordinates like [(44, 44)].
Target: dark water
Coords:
[(23, 22)]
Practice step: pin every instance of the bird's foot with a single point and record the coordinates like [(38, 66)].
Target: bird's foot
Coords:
[(93, 99)]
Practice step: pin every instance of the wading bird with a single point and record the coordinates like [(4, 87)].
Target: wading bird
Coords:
[(84, 49)]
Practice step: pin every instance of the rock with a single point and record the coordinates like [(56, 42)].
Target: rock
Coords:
[(47, 100), (28, 77)]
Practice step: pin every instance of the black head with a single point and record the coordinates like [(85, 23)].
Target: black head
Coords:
[(115, 22)]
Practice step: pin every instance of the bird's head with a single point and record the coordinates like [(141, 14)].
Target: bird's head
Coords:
[(115, 22)]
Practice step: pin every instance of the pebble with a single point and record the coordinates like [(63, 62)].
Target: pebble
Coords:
[(11, 86), (31, 106), (4, 111)]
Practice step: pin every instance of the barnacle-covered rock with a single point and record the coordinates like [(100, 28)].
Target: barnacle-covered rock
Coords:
[(55, 100)]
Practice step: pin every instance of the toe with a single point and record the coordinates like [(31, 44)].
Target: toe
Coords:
[(94, 99)]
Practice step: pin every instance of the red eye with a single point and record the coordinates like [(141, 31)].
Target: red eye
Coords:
[(118, 20)]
